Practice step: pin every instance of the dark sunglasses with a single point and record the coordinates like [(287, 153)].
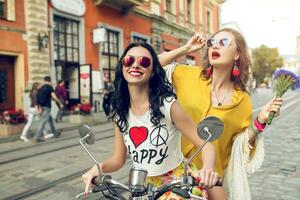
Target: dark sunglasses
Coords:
[(143, 61), (223, 42)]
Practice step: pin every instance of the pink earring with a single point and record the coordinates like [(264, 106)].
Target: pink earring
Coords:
[(235, 70), (209, 71)]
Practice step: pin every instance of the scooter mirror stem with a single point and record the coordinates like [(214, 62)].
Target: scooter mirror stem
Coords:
[(91, 156), (198, 150)]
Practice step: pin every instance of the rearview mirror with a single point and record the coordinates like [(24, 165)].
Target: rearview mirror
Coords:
[(87, 134), (210, 125), (208, 130)]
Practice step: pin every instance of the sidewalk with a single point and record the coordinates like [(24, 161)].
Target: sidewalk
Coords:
[(65, 125)]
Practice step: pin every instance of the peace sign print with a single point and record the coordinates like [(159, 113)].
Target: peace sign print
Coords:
[(159, 136)]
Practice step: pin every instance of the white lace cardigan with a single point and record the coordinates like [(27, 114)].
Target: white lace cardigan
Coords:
[(235, 178)]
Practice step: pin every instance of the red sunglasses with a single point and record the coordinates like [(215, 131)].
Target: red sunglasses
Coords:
[(143, 61)]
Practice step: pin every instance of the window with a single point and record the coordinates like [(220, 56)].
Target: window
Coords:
[(139, 39), (110, 54), (169, 6), (189, 10), (8, 10), (66, 39), (170, 10), (2, 8), (209, 22)]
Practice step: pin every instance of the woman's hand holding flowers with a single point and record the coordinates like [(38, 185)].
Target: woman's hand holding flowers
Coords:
[(274, 105)]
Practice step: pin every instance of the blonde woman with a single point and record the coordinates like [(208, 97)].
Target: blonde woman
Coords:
[(218, 88)]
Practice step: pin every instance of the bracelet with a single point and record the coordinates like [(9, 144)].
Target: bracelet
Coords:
[(258, 126), (264, 124)]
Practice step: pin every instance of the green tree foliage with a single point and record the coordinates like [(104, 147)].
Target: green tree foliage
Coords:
[(265, 61)]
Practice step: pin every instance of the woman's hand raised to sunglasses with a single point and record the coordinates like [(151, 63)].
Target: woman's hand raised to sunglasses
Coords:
[(197, 42)]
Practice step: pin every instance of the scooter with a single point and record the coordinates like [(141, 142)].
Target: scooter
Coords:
[(137, 189)]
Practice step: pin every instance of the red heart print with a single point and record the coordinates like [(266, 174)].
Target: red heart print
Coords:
[(138, 135)]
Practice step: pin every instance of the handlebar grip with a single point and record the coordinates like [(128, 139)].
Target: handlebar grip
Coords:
[(96, 180), (160, 193), (219, 183), (101, 179)]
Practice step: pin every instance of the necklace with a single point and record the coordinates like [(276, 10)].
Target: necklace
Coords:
[(220, 103)]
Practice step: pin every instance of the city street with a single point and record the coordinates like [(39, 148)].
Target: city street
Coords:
[(53, 169), (68, 58)]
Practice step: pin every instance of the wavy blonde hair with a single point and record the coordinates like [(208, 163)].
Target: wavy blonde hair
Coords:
[(243, 63)]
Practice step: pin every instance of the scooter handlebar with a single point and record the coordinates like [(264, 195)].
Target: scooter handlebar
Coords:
[(102, 179), (176, 188)]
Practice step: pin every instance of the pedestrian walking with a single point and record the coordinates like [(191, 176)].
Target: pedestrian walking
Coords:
[(61, 94), (108, 91), (44, 96), (33, 111)]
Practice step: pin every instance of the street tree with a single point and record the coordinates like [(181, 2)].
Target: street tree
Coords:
[(265, 61)]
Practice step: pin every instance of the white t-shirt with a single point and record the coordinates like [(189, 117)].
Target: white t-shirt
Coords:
[(154, 148)]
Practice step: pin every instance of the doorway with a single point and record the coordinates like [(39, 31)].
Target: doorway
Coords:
[(7, 83), (69, 73)]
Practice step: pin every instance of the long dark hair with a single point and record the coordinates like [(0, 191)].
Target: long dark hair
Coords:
[(243, 62), (59, 82), (34, 88), (160, 89)]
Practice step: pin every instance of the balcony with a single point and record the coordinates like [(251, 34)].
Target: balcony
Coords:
[(125, 5), (190, 25)]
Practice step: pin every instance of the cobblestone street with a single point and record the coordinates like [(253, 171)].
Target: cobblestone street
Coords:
[(279, 177), (70, 65), (53, 170)]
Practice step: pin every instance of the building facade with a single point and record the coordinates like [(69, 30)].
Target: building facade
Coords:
[(13, 53), (80, 41)]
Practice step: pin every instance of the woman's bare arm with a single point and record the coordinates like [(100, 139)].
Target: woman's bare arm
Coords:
[(194, 44)]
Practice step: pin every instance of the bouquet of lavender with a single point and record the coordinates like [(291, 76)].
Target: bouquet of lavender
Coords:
[(284, 80), (297, 84)]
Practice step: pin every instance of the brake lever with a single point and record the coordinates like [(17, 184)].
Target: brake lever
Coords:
[(97, 188), (181, 192), (82, 194)]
